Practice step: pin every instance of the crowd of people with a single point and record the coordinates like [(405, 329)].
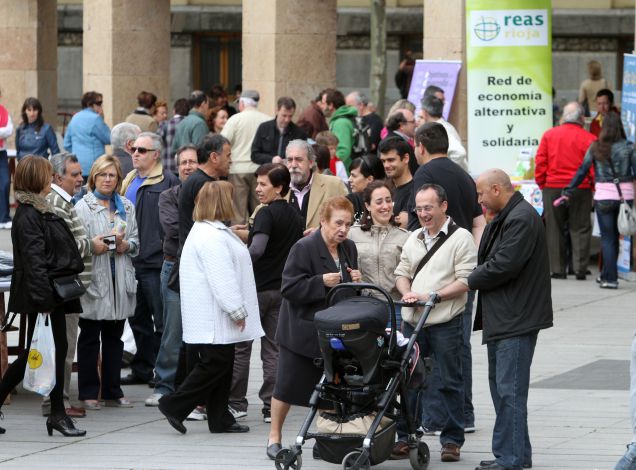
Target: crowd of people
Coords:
[(221, 225)]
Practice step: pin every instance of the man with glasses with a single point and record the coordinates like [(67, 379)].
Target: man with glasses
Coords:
[(168, 355), (437, 259), (87, 134), (142, 186)]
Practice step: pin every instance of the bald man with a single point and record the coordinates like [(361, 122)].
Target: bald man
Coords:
[(514, 303)]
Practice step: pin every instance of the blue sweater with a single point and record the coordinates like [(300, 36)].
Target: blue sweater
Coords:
[(86, 136)]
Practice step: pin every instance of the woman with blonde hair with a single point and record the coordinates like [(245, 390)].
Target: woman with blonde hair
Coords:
[(111, 296), (591, 86), (219, 308)]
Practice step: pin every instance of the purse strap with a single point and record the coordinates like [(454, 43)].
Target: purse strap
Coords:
[(442, 238)]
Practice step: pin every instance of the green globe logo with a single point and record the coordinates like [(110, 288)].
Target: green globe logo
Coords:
[(487, 29)]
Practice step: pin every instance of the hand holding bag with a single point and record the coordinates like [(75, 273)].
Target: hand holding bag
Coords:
[(39, 374)]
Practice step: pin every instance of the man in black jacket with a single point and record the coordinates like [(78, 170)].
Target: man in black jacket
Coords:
[(272, 137), (514, 303)]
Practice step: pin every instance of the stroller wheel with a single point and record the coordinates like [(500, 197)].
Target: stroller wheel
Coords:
[(356, 461), (288, 459), (420, 457)]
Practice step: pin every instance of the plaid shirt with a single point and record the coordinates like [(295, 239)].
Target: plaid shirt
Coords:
[(167, 131)]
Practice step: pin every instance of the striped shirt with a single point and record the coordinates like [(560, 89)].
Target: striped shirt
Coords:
[(61, 202)]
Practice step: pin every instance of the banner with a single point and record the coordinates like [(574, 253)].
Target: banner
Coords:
[(509, 68), (628, 100), (442, 73)]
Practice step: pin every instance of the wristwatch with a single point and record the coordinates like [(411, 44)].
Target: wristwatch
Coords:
[(432, 293)]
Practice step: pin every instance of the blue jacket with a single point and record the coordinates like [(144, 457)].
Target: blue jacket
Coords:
[(28, 141), (86, 136), (623, 160)]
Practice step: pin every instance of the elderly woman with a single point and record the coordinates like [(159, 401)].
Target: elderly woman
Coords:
[(378, 240), (34, 136), (44, 249), (110, 299), (315, 264), (219, 308)]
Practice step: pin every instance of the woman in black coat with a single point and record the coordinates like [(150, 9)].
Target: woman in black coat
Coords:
[(315, 264), (43, 249)]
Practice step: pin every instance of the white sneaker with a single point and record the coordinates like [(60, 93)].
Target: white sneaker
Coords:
[(198, 414), (6, 225), (236, 413), (153, 400)]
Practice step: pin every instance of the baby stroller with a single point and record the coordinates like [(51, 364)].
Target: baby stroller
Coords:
[(365, 371)]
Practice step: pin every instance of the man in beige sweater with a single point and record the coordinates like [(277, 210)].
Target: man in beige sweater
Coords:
[(444, 274)]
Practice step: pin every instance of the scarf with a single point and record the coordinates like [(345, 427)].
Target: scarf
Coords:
[(38, 201), (116, 202)]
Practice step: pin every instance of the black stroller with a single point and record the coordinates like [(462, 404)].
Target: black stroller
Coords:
[(365, 371)]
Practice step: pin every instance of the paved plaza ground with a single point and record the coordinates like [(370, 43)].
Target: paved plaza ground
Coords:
[(578, 406)]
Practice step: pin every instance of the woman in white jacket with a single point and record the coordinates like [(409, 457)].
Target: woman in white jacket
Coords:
[(110, 298), (219, 308)]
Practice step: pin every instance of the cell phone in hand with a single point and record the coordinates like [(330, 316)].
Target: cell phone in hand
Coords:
[(110, 242)]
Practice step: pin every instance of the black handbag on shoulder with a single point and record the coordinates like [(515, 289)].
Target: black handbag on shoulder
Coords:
[(69, 287)]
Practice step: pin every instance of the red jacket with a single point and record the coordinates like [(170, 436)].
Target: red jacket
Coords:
[(560, 154)]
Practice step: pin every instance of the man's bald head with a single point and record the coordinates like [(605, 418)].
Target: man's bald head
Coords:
[(573, 112), (494, 189)]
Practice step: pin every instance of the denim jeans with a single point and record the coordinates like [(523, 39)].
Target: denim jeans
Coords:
[(5, 185), (607, 214), (444, 342), (433, 414), (147, 322), (168, 355), (509, 363)]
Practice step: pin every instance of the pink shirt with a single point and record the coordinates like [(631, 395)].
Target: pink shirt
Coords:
[(608, 191)]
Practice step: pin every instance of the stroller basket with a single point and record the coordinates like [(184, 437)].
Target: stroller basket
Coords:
[(333, 447)]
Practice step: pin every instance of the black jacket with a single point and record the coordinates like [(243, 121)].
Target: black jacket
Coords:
[(147, 215), (513, 274), (304, 292), (267, 141), (43, 249)]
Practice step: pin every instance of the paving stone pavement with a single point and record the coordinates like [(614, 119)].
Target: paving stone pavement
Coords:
[(570, 428)]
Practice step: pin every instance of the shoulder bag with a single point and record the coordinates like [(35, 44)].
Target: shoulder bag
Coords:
[(626, 215), (68, 287)]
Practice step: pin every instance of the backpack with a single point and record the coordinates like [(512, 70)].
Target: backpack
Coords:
[(361, 138)]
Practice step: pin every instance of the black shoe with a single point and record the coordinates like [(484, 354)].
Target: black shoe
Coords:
[(580, 276), (273, 450), (174, 422), (132, 379), (558, 276), (2, 430), (234, 428), (64, 425), (152, 383), (486, 463)]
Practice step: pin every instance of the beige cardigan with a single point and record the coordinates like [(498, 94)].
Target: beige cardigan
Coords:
[(454, 260)]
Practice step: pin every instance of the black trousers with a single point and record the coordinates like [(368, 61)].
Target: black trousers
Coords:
[(208, 382), (15, 372), (112, 347)]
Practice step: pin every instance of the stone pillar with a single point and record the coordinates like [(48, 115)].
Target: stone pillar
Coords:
[(126, 50), (28, 62), (445, 39), (289, 49)]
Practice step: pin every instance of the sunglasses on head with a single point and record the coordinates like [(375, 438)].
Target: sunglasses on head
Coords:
[(141, 150), (99, 103)]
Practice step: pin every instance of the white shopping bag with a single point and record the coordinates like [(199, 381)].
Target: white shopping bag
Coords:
[(39, 374)]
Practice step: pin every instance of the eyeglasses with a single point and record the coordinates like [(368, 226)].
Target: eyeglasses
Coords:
[(188, 163), (107, 176), (99, 103), (420, 210), (142, 150)]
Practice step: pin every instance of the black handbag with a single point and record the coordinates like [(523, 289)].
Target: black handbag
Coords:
[(69, 287)]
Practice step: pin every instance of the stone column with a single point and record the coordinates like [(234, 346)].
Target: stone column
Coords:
[(289, 49), (126, 50), (445, 39), (28, 62)]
